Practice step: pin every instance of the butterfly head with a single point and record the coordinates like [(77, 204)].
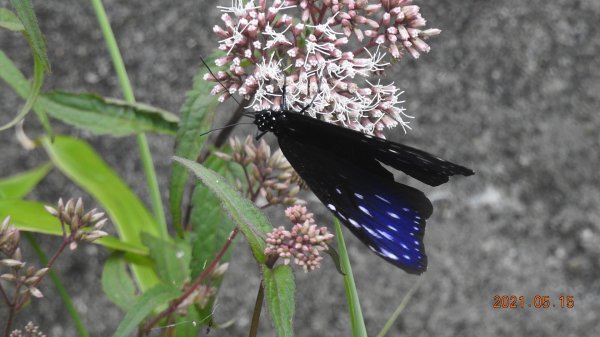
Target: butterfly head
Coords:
[(268, 120)]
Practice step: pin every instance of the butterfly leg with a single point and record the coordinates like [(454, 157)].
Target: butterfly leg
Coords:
[(283, 100), (259, 135), (308, 106)]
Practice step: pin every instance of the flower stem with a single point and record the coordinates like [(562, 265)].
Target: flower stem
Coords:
[(79, 325), (126, 89)]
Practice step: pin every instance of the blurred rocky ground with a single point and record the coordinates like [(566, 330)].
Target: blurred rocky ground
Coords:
[(510, 89)]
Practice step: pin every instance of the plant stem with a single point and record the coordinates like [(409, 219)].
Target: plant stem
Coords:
[(9, 321), (388, 325), (126, 89), (173, 306)]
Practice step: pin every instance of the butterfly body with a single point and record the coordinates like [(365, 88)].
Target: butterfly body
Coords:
[(344, 170)]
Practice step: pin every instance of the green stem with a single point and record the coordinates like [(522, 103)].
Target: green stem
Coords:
[(62, 291), (388, 325), (125, 84), (356, 316)]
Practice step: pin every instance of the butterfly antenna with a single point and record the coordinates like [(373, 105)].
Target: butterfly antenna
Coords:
[(223, 127), (215, 77)]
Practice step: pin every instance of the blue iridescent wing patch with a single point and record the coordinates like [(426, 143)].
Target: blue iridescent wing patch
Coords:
[(387, 216)]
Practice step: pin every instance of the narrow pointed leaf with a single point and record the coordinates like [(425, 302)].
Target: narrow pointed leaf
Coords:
[(107, 115), (251, 221), (17, 186), (41, 65), (172, 259), (31, 216), (10, 21), (26, 15), (146, 303), (78, 161), (279, 294), (117, 283), (356, 317)]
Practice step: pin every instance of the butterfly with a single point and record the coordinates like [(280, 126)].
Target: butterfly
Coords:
[(343, 168)]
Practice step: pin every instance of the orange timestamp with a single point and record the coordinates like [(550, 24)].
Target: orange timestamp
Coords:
[(535, 302)]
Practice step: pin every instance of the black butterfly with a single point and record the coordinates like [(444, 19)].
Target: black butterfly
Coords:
[(343, 169)]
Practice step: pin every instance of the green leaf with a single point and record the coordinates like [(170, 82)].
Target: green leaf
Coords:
[(117, 284), (33, 34), (41, 65), (17, 186), (28, 91), (279, 292), (157, 296), (197, 115), (107, 115), (10, 21), (190, 324), (251, 221), (356, 317), (210, 224), (13, 76), (335, 257), (211, 228), (30, 216), (78, 161), (172, 260)]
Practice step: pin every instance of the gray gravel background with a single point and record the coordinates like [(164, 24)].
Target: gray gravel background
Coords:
[(510, 89)]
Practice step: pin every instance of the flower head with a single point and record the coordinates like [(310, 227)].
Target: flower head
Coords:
[(303, 243), (270, 179), (324, 52)]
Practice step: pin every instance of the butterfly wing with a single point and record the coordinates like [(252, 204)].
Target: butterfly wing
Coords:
[(418, 164), (387, 216)]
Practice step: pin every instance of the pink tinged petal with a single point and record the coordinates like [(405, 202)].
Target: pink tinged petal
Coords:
[(397, 12), (239, 71), (413, 52), (223, 60), (346, 28), (370, 9), (380, 39), (404, 35), (392, 38), (421, 45), (430, 32), (413, 32), (218, 88), (228, 21), (385, 20), (342, 41), (359, 34), (394, 51), (305, 15), (411, 12), (389, 122), (419, 22), (221, 32), (251, 31), (371, 33), (293, 52)]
